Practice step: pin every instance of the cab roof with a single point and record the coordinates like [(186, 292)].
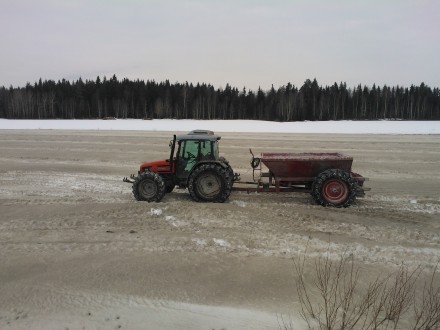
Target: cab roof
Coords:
[(199, 135)]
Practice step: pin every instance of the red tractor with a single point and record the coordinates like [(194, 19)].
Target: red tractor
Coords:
[(195, 164)]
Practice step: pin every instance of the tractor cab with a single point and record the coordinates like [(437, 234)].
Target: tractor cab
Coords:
[(193, 148)]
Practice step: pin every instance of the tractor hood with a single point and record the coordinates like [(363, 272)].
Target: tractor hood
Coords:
[(158, 166)]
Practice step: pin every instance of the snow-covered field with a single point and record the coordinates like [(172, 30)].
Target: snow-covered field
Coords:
[(244, 126), (77, 251)]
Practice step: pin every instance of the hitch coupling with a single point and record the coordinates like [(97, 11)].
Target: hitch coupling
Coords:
[(131, 180)]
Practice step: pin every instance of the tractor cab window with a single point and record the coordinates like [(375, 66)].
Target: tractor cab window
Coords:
[(188, 155), (191, 152), (205, 150)]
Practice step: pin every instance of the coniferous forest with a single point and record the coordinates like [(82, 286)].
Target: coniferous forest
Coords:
[(104, 98)]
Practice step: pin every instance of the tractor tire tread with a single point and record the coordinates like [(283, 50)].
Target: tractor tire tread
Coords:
[(337, 174), (158, 181), (226, 183)]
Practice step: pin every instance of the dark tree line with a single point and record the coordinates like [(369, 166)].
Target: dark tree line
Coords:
[(139, 99)]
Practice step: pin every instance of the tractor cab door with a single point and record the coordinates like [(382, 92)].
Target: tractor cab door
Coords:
[(190, 153)]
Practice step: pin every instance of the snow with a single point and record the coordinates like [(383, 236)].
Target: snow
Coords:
[(120, 311), (199, 241), (238, 203), (154, 211), (245, 126), (221, 242)]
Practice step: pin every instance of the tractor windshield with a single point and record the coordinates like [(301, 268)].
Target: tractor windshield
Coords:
[(193, 151)]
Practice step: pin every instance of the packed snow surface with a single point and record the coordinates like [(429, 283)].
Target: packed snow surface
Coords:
[(245, 126), (77, 251)]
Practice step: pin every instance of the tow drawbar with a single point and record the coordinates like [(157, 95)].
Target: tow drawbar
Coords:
[(131, 180)]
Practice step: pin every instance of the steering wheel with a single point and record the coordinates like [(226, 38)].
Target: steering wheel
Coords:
[(190, 155)]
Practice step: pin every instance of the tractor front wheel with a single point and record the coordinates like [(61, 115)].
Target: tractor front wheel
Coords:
[(148, 186), (210, 183), (334, 188)]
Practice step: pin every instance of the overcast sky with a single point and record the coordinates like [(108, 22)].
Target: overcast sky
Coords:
[(241, 42)]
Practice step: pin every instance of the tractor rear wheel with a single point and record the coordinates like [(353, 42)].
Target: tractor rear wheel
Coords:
[(148, 186), (230, 170), (334, 188), (210, 183)]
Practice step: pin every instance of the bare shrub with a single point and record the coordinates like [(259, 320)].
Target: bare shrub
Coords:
[(427, 307), (336, 297)]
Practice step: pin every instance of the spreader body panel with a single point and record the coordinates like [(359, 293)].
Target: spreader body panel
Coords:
[(304, 165)]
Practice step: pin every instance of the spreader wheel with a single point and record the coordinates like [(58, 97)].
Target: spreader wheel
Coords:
[(148, 186), (210, 183), (334, 188)]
